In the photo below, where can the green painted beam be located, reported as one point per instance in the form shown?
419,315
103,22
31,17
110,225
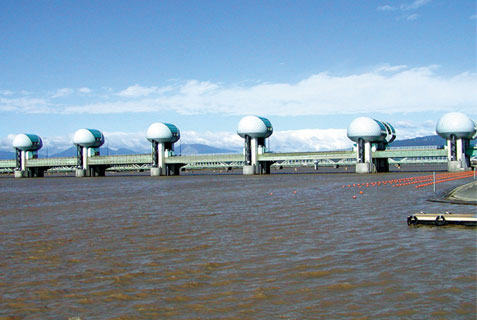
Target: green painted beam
324,158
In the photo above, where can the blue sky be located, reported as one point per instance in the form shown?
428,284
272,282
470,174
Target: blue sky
309,66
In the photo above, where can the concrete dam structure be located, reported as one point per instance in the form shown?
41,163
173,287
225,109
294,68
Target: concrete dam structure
371,152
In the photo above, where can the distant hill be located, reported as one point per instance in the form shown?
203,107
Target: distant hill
434,140
7,155
185,149
196,148
71,152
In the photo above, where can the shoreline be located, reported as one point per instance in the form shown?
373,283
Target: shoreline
464,194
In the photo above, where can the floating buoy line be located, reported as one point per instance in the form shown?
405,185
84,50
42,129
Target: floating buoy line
437,219
418,182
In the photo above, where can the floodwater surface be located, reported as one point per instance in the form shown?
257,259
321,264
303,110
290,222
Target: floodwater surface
281,246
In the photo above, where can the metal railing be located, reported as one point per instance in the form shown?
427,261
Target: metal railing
424,154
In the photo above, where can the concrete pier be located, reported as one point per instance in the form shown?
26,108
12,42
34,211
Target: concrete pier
364,167
249,170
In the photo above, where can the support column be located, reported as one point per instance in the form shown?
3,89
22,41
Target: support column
80,171
456,158
97,171
37,172
155,160
20,168
85,158
254,151
364,159
265,167
18,164
248,168
18,159
381,165
368,156
158,159
458,146
23,160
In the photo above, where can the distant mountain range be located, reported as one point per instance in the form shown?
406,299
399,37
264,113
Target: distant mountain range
190,149
196,148
7,155
71,152
184,149
420,141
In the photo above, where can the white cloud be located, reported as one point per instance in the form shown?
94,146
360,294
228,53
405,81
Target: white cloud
384,89
84,90
409,129
310,140
66,92
63,93
130,140
386,8
6,92
406,124
6,143
224,139
415,5
412,17
280,141
26,105
473,17
404,90
389,68
194,87
136,91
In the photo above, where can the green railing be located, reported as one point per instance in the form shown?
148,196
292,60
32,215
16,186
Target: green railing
401,155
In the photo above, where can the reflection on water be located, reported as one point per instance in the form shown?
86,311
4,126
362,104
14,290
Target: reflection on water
291,246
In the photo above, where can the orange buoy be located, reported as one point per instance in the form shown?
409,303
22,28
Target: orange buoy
361,192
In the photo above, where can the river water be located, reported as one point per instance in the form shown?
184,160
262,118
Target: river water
281,246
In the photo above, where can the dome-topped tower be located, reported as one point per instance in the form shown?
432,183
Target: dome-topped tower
371,130
27,142
88,138
26,147
87,143
163,132
255,127
458,129
366,131
162,136
254,130
458,124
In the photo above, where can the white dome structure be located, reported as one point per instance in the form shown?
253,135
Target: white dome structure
458,124
255,127
370,130
163,132
88,138
27,142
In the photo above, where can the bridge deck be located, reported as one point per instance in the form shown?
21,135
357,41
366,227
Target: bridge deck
320,158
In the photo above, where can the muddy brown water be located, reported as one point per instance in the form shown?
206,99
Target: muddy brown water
282,246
